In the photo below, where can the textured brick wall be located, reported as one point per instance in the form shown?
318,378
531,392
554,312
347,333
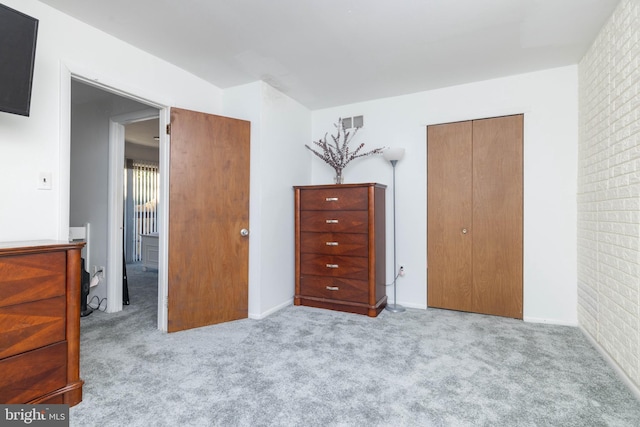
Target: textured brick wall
609,189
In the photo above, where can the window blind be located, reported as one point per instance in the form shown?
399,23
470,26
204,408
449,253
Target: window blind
145,185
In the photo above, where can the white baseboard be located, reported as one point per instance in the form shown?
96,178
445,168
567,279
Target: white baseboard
618,370
549,321
258,316
410,305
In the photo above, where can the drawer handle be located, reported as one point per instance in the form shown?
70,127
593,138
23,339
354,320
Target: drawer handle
331,221
331,199
332,243
332,265
333,288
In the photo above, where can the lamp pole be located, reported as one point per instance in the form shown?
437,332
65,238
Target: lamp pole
394,308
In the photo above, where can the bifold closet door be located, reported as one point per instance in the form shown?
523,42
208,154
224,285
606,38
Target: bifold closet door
497,216
475,203
449,204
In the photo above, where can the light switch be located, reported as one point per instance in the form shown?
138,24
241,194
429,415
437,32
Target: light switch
44,181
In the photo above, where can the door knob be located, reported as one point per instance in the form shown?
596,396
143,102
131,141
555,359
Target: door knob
244,232
464,231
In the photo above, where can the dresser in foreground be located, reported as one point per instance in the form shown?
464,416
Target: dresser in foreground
40,322
340,247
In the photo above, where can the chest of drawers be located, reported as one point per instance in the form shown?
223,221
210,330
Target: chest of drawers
40,322
340,247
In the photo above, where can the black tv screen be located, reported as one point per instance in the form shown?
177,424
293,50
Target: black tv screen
18,33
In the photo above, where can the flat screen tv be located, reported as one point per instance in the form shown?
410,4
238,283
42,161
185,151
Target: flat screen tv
18,33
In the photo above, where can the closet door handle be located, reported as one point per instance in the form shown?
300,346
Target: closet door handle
333,288
331,199
331,221
332,243
332,265
464,231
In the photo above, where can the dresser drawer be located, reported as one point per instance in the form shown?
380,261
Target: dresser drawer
335,244
33,374
335,288
334,266
334,199
25,278
339,222
31,325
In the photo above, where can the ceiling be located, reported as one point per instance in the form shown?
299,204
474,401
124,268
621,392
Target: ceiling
325,53
143,133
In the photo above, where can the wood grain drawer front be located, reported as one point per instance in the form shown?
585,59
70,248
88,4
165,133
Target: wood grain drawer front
334,266
334,199
335,288
338,222
335,244
33,374
28,326
25,278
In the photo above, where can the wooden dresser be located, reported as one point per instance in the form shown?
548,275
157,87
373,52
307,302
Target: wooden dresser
40,322
340,247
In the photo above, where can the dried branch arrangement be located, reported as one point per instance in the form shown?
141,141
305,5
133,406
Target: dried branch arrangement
337,153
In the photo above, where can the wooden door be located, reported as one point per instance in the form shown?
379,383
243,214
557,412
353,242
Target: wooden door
497,216
208,207
475,184
449,197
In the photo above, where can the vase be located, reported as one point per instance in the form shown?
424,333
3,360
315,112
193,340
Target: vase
338,179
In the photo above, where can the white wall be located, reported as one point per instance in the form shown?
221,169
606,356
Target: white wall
38,143
286,126
609,191
279,128
141,152
548,100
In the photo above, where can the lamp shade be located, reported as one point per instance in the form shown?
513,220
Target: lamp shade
391,154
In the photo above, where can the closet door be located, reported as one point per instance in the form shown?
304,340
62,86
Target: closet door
482,214
497,216
449,197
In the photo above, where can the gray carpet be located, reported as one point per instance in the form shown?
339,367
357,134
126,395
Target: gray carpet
310,367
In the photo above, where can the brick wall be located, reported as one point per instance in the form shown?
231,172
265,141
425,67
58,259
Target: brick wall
609,189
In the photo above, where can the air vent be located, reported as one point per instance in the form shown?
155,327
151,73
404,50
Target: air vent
353,122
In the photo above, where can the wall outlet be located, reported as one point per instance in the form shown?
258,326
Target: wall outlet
98,270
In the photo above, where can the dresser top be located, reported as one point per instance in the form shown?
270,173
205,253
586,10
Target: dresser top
366,184
30,246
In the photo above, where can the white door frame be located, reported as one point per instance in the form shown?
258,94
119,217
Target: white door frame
114,233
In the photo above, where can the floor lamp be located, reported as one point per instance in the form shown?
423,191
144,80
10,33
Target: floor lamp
393,155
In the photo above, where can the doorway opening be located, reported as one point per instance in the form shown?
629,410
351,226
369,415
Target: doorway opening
107,130
141,187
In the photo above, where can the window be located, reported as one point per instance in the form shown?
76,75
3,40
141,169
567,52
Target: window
144,187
